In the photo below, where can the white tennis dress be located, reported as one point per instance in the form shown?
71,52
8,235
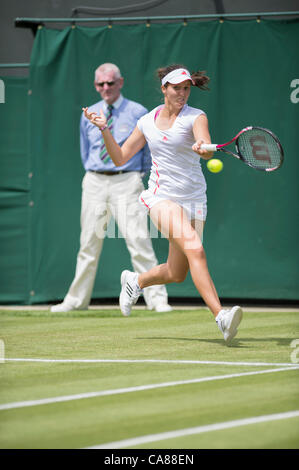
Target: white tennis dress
176,172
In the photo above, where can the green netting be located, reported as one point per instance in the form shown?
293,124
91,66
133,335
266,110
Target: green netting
252,227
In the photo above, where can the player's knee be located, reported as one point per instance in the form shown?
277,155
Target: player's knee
196,252
178,277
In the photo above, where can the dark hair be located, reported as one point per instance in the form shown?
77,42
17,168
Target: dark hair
199,78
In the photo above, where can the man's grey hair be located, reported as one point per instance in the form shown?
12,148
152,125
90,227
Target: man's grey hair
107,68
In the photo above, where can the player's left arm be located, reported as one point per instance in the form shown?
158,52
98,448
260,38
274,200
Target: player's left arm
119,155
202,136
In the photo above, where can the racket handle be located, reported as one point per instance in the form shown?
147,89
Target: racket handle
209,147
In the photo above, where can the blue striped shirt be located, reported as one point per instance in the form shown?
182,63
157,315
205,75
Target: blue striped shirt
125,116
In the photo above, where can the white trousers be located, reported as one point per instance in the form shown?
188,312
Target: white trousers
117,196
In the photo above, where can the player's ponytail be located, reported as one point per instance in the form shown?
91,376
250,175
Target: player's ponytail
200,79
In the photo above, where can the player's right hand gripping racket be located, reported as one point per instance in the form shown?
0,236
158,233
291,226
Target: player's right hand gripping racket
255,146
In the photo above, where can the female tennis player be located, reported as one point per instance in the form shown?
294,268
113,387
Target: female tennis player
176,194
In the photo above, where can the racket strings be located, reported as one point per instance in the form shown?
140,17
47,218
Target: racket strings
260,149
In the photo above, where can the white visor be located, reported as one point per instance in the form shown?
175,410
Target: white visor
176,76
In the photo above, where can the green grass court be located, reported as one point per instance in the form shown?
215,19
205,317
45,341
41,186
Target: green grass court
100,379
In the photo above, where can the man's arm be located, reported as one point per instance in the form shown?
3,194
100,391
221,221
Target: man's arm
84,143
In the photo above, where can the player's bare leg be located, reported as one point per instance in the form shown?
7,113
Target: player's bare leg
185,252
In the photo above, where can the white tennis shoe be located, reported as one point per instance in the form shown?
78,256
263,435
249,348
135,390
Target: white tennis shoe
63,307
228,322
130,292
161,308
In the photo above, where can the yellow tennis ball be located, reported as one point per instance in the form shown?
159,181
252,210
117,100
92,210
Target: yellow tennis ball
215,165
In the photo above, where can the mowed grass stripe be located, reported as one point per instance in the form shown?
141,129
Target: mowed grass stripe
152,361
264,338
80,396
195,430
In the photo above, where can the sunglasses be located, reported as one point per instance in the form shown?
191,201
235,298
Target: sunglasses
101,84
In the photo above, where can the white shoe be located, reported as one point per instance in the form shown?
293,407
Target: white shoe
160,308
130,291
61,308
228,321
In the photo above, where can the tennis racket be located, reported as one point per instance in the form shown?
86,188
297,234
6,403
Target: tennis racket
259,148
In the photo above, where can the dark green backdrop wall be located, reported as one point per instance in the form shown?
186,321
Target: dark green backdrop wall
252,228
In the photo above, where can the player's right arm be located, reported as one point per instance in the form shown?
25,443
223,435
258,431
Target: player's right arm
202,136
119,155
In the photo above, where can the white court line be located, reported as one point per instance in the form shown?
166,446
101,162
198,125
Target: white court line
153,361
140,388
196,430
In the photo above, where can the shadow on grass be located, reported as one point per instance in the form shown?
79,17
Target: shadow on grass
235,343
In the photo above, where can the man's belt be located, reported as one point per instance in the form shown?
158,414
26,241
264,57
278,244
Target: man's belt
109,173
